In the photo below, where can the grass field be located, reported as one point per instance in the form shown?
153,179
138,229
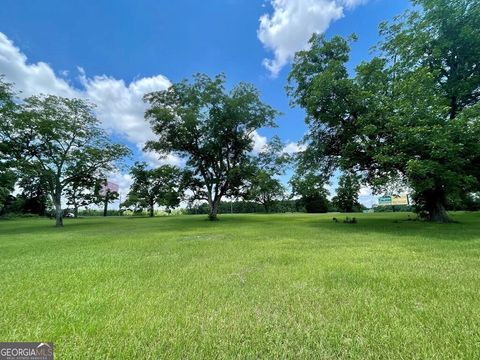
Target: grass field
248,286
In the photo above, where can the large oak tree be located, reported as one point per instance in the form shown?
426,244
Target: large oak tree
410,114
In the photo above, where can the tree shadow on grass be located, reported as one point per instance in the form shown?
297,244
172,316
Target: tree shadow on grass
393,226
466,226
42,226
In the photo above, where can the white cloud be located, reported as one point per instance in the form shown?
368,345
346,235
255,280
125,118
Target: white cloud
365,191
293,148
30,78
120,106
123,181
155,160
366,197
291,24
259,142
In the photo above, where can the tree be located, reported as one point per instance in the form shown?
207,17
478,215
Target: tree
346,199
58,140
137,203
33,198
8,176
272,158
7,184
264,187
310,187
82,192
410,114
212,130
105,193
444,37
160,186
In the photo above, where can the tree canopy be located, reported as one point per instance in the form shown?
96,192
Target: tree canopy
310,187
346,199
159,186
212,129
409,114
8,109
58,141
265,186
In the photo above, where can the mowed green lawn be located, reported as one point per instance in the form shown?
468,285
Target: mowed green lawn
248,286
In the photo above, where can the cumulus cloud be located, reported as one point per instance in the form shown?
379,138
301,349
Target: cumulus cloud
30,78
259,142
288,28
119,106
155,159
365,191
294,148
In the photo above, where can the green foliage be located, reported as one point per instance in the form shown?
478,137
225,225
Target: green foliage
308,184
315,204
7,183
272,159
58,141
248,207
394,208
468,202
212,129
33,198
97,212
310,187
83,191
265,188
103,195
161,186
8,177
444,37
348,189
410,115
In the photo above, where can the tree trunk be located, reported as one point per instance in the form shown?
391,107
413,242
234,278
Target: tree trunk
453,107
75,211
212,216
105,205
437,213
435,206
58,212
151,209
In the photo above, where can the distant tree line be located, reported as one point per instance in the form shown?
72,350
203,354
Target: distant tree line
248,207
278,207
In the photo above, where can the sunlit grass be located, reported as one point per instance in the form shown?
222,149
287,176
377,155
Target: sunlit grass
248,286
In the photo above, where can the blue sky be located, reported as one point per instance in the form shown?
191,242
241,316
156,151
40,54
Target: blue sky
112,51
